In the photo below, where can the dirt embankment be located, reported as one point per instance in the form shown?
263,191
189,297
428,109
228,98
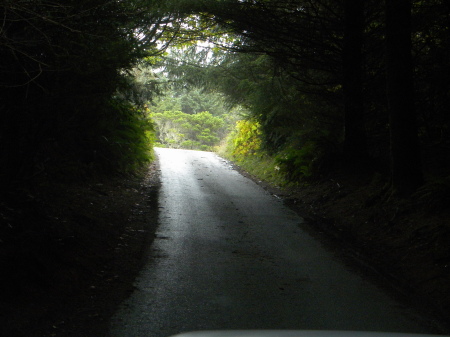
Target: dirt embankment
69,253
403,243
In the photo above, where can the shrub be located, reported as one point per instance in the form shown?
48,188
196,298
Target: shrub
297,163
126,138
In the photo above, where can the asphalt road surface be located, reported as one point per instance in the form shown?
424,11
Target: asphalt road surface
229,255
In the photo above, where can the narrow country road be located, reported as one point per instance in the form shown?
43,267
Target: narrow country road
228,255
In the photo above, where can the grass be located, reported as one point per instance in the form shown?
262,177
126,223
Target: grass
261,165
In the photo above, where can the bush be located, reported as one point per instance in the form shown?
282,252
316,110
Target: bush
246,139
297,163
243,147
126,139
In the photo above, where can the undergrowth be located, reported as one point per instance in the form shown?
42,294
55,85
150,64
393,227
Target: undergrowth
293,163
243,147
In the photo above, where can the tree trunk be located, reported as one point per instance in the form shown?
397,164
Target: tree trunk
405,157
355,142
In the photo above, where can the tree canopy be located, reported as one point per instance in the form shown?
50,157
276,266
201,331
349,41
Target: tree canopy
64,72
75,78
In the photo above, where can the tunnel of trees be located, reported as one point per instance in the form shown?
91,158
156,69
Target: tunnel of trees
355,81
315,85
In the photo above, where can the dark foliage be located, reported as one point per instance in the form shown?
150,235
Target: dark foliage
62,64
64,116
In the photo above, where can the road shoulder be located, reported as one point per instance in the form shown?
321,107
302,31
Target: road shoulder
70,281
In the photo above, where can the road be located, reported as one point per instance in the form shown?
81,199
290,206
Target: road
229,255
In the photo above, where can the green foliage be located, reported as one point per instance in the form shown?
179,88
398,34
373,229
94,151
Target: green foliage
199,131
307,155
126,140
297,163
292,76
269,93
243,147
64,67
190,101
246,139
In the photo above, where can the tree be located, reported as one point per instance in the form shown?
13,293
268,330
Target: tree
405,154
64,75
192,131
355,138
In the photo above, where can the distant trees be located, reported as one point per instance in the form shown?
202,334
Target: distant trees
199,131
189,117
190,101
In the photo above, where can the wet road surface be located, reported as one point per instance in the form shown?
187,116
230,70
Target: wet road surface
228,255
